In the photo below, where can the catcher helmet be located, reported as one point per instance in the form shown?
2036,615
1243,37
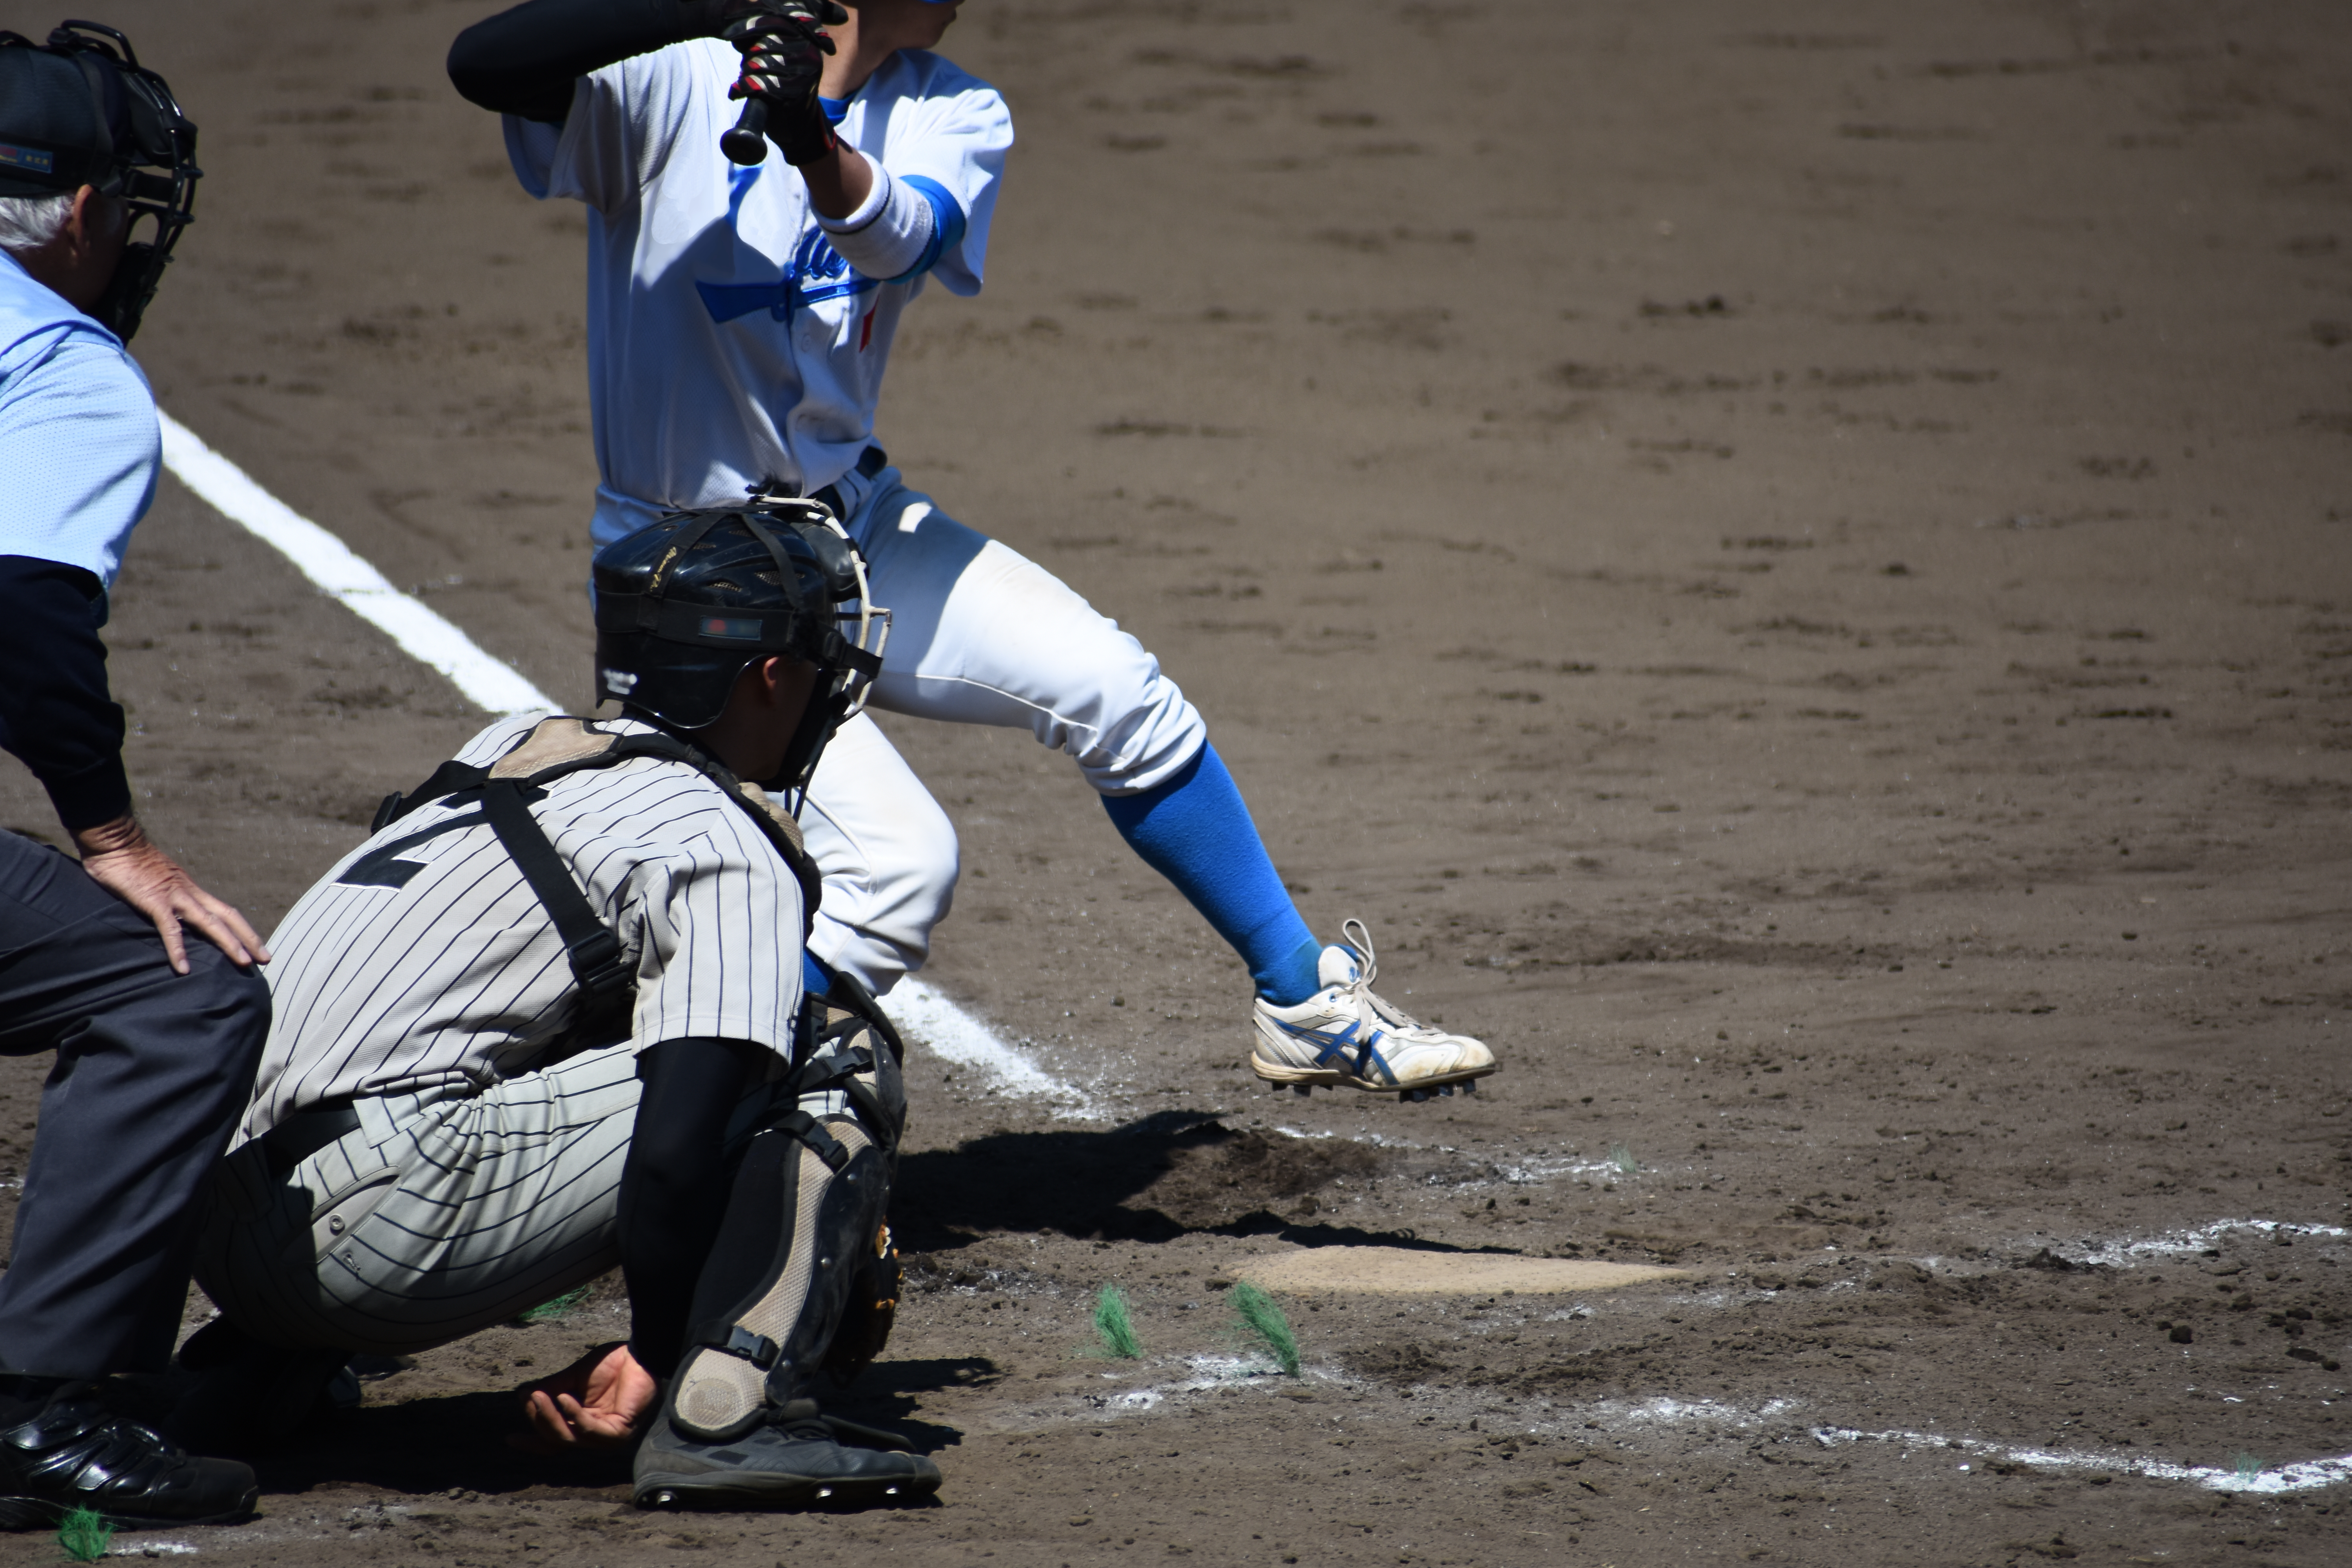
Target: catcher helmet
81,110
686,605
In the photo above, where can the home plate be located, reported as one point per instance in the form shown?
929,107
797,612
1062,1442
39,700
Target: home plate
1406,1271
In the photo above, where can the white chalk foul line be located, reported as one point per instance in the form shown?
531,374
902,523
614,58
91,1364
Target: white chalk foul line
342,573
958,1037
2296,1477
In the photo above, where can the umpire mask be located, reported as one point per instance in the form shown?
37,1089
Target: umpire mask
685,605
81,110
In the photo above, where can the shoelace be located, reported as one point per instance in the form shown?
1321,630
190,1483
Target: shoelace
1358,936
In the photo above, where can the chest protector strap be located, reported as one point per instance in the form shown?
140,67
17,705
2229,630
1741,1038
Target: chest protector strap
555,748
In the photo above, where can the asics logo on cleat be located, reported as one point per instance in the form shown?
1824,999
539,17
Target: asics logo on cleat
1335,1044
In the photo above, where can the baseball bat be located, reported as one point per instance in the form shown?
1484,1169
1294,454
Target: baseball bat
747,142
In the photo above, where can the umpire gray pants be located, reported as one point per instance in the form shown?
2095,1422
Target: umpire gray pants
444,1213
152,1070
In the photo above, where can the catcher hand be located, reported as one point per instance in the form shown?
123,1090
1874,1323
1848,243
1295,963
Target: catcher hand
601,1402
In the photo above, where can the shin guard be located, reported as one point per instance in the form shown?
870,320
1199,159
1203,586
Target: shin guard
801,1275
799,1230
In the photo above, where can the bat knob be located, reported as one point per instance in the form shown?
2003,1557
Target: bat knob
745,147
747,144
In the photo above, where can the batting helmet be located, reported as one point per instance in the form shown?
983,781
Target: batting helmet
81,110
686,605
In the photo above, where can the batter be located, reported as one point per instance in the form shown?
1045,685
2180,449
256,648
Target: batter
740,319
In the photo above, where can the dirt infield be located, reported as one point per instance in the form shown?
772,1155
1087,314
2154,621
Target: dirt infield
1794,563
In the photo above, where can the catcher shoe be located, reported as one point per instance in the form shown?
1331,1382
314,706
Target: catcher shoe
797,1461
1345,1035
71,1453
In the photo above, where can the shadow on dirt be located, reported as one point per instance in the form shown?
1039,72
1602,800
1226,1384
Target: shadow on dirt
1171,1174
887,1395
430,1446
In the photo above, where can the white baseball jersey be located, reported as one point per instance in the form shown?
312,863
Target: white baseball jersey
728,340
423,960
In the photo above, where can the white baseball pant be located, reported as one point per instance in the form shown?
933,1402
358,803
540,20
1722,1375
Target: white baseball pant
979,635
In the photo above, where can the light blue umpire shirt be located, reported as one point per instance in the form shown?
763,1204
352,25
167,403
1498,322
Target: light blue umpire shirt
79,446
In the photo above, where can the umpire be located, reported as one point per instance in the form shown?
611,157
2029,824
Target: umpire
156,1038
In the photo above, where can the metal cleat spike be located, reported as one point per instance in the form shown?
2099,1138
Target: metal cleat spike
1303,1090
1446,1091
1469,1086
1417,1096
663,1499
823,1491
889,1491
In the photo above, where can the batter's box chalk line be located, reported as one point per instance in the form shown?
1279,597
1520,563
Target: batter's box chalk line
2121,1253
1531,1172
1207,1373
1964,1452
1666,1411
2305,1476
432,640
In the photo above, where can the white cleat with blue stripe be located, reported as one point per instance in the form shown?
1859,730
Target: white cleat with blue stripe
1343,1035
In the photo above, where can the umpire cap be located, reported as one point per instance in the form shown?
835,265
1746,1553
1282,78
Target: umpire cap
81,110
686,605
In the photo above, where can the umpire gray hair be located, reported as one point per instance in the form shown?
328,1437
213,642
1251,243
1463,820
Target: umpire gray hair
29,223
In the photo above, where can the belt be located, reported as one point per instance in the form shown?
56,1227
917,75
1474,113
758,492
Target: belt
306,1132
870,462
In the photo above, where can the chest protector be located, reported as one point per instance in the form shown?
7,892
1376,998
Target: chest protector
561,746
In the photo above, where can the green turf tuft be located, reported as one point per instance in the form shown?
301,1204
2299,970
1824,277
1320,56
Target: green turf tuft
84,1535
555,1311
1263,1319
1621,1156
2247,1467
1115,1326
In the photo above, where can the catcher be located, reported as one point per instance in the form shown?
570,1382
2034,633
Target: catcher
539,1024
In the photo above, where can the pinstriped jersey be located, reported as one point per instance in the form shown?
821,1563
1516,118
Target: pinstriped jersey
424,960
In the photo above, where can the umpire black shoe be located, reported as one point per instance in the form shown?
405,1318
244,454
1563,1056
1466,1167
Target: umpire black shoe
73,1453
799,1462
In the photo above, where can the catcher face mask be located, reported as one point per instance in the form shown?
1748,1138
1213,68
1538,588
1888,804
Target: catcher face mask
684,604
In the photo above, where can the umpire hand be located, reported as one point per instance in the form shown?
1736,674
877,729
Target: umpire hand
120,858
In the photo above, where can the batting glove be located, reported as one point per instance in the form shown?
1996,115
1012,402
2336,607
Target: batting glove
784,44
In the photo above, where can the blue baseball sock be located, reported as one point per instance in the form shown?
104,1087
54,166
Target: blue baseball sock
1194,830
813,979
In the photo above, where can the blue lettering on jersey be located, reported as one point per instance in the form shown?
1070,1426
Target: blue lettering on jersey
815,272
